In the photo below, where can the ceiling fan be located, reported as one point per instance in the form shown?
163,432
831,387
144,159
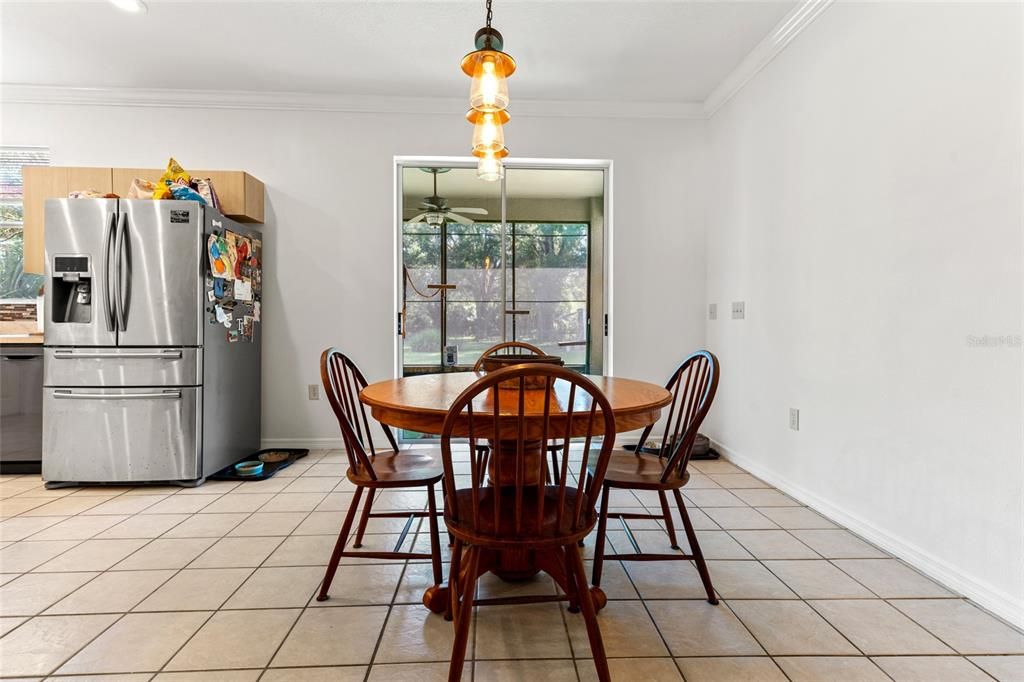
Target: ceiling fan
434,209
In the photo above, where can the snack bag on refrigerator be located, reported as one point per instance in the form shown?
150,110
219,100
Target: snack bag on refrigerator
175,174
144,189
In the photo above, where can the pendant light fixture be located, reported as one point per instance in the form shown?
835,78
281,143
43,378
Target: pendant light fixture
489,68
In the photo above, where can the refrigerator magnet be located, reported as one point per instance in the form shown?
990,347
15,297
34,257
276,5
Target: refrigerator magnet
243,290
217,250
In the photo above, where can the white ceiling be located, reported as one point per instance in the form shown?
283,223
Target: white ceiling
624,51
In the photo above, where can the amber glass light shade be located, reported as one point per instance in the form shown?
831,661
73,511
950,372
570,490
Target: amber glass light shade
488,130
490,70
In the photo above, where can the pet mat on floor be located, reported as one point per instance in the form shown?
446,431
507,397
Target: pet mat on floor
269,468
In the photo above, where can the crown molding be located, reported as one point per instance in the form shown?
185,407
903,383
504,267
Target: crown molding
764,52
14,93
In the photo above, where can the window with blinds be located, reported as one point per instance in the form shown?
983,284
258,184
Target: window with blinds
15,284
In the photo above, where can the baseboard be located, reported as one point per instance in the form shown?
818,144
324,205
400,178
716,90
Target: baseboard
990,598
311,443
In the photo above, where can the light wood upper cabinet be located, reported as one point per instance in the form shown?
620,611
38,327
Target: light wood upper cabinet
241,196
39,184
99,179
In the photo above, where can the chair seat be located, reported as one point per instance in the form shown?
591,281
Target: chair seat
630,470
531,534
403,468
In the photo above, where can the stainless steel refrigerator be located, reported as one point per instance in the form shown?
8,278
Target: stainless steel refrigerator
151,364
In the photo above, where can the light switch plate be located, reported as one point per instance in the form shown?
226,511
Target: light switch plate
712,311
738,310
314,391
794,419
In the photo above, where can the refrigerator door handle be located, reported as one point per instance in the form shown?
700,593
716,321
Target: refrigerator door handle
108,294
119,241
126,294
175,395
69,354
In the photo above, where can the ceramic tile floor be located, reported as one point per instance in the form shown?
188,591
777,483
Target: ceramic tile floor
216,583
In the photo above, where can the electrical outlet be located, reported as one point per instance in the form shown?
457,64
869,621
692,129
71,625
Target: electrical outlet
794,419
314,391
739,310
712,311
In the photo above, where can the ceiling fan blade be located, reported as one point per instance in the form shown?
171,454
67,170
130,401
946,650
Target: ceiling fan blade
461,219
418,219
470,211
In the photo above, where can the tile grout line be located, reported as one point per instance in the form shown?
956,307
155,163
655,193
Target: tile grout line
391,604
406,565
722,601
761,562
241,583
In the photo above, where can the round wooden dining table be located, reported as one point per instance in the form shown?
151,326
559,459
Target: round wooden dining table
420,403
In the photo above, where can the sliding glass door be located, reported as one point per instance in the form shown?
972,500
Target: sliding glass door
548,276
484,263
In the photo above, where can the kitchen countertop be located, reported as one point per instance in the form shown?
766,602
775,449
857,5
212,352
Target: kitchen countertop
24,339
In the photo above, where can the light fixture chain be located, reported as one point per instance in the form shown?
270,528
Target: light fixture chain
490,14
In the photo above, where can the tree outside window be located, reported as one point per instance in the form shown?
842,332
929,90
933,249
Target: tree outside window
15,283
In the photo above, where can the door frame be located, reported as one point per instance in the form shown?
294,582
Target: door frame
606,165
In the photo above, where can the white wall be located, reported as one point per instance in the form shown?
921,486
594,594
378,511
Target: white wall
865,201
329,237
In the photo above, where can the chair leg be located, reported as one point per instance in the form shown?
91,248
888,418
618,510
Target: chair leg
555,470
464,616
444,503
364,519
453,581
589,615
602,529
485,454
572,588
698,556
339,546
669,526
435,539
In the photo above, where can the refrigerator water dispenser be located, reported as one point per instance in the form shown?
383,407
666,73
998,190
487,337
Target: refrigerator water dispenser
72,289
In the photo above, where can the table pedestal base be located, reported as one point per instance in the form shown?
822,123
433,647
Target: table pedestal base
503,454
515,566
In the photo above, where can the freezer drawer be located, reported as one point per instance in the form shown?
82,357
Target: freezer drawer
121,435
119,367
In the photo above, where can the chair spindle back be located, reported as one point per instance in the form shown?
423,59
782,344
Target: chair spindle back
508,347
342,382
693,386
569,403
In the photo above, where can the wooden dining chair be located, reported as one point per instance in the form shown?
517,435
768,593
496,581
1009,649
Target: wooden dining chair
527,514
553,449
371,470
693,386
